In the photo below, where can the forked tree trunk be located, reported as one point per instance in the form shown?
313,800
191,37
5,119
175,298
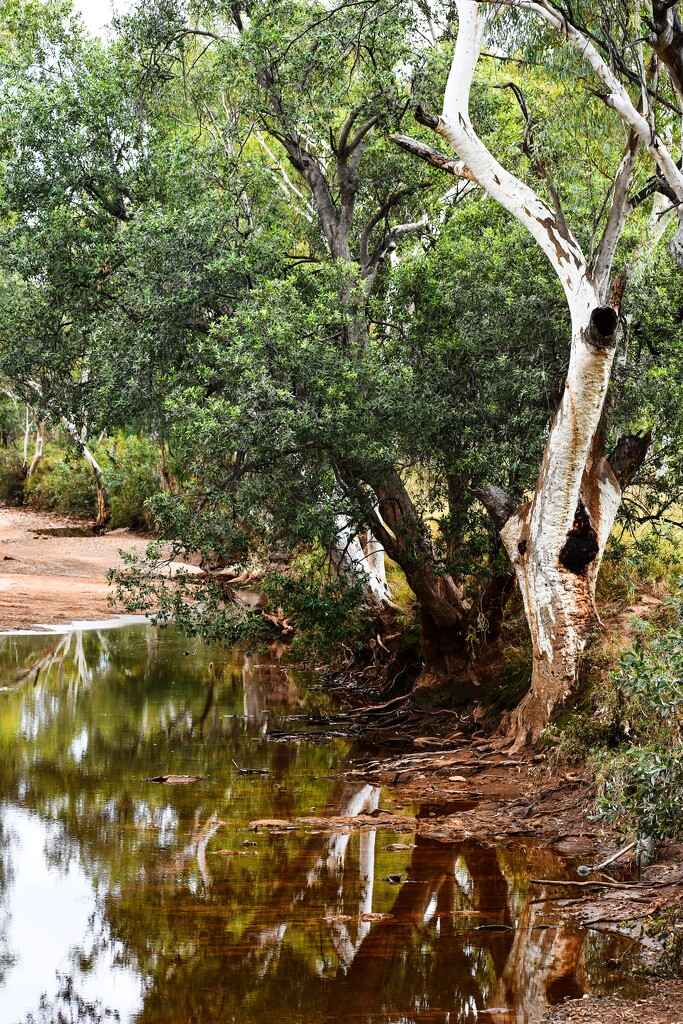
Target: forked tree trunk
555,542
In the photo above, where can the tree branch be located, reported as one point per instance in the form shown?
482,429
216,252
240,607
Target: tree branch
628,456
616,97
601,267
432,156
546,227
666,39
499,505
528,147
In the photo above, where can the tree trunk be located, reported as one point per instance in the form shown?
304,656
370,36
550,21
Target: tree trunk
38,453
96,469
556,541
350,558
27,434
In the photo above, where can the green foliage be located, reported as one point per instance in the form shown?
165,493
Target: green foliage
184,255
61,485
640,717
641,789
146,585
132,478
11,477
328,612
643,556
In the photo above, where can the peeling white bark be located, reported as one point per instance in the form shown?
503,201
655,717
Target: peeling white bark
367,565
555,542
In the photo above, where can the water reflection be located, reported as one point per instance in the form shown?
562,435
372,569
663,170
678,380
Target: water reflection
158,904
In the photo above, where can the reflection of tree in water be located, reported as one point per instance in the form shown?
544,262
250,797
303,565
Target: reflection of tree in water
7,956
278,955
247,936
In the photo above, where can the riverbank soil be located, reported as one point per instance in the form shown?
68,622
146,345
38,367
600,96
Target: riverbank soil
661,1005
51,575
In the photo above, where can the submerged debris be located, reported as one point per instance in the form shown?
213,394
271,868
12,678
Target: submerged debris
176,780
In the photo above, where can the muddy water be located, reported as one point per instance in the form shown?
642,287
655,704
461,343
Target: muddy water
126,900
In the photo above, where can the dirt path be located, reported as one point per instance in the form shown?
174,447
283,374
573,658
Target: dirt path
48,579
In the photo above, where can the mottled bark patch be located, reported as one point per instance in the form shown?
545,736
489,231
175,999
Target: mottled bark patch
581,546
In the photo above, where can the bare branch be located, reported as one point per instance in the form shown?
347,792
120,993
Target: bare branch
432,156
628,456
616,97
499,505
528,147
616,218
366,261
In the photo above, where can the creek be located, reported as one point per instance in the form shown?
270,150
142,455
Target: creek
130,901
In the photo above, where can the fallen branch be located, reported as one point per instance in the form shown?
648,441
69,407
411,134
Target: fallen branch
250,771
600,885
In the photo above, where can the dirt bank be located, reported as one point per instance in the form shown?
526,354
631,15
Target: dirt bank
50,578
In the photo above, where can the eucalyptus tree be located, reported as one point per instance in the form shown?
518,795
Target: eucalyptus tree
317,89
555,540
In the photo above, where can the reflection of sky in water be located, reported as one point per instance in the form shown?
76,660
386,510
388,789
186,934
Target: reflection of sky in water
79,745
53,926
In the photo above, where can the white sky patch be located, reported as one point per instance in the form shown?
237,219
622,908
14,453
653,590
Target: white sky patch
50,914
97,14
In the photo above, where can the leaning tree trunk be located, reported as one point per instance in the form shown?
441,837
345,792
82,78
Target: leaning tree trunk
38,453
102,497
96,470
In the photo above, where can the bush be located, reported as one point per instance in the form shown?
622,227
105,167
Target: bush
641,790
58,485
328,612
11,478
642,785
132,478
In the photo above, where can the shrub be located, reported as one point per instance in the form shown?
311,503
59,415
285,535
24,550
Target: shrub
641,790
642,786
59,485
328,612
132,477
11,477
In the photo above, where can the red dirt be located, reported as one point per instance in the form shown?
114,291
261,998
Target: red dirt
53,580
